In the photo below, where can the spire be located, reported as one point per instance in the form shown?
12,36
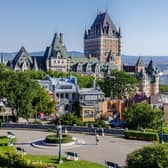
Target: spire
139,62
119,31
55,41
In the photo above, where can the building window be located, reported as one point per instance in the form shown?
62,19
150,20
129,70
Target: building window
66,95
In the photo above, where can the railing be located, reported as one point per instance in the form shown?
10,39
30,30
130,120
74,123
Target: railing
90,130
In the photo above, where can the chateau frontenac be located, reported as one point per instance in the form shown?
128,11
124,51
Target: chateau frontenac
102,52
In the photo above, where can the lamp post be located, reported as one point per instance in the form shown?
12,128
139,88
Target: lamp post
59,135
161,134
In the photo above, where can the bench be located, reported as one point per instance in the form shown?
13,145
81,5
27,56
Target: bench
11,135
20,151
109,164
72,156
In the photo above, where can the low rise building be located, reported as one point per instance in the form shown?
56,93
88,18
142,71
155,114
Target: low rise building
90,100
66,92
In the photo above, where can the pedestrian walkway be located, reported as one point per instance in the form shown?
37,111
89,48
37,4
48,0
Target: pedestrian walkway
110,148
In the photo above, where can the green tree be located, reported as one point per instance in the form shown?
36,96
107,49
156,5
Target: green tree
84,81
153,156
142,115
118,85
163,88
70,119
42,102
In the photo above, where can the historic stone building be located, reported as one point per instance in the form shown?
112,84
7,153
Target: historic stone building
103,41
148,76
22,61
56,55
101,47
54,58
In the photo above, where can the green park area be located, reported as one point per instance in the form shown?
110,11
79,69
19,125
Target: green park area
10,158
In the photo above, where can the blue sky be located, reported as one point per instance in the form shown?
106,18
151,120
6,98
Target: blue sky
32,23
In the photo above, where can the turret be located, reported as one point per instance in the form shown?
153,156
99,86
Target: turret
139,66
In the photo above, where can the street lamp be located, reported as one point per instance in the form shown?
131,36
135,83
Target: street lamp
161,134
59,135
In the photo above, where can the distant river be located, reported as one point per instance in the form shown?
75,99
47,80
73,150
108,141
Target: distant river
164,79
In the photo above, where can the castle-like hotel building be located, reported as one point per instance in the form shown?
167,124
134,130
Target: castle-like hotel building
102,54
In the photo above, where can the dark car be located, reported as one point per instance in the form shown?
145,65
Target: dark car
117,123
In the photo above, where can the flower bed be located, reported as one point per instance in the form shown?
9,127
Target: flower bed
66,138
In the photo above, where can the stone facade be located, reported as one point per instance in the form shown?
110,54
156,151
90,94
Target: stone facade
148,76
56,55
101,47
103,41
22,61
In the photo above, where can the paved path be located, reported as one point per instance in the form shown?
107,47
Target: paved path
110,148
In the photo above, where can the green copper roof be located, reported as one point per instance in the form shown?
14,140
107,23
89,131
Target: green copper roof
56,46
84,60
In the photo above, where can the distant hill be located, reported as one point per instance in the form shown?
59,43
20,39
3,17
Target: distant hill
131,60
75,53
9,56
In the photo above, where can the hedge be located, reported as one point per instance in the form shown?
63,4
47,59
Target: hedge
13,160
53,139
138,135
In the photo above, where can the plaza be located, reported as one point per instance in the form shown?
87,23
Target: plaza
112,148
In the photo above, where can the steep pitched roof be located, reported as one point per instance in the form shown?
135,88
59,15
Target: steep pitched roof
40,62
56,45
22,52
152,68
103,20
139,62
55,41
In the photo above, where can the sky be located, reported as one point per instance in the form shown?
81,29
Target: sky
32,23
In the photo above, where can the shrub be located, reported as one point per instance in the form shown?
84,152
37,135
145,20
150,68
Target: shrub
70,119
14,160
151,130
138,135
152,156
54,139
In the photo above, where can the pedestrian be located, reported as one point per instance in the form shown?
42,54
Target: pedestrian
97,139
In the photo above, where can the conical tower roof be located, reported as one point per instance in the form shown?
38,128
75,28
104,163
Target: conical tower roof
139,62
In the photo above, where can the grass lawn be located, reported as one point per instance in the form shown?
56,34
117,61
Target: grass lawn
66,164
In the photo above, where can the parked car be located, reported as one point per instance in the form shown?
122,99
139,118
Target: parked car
117,123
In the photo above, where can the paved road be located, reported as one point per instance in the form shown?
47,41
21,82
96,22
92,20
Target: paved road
110,148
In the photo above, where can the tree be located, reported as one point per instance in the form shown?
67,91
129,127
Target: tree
163,88
24,95
42,102
142,115
153,156
118,85
84,81
70,119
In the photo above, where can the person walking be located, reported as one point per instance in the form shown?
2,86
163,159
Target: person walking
97,139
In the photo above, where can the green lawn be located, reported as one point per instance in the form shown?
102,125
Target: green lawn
51,160
66,164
